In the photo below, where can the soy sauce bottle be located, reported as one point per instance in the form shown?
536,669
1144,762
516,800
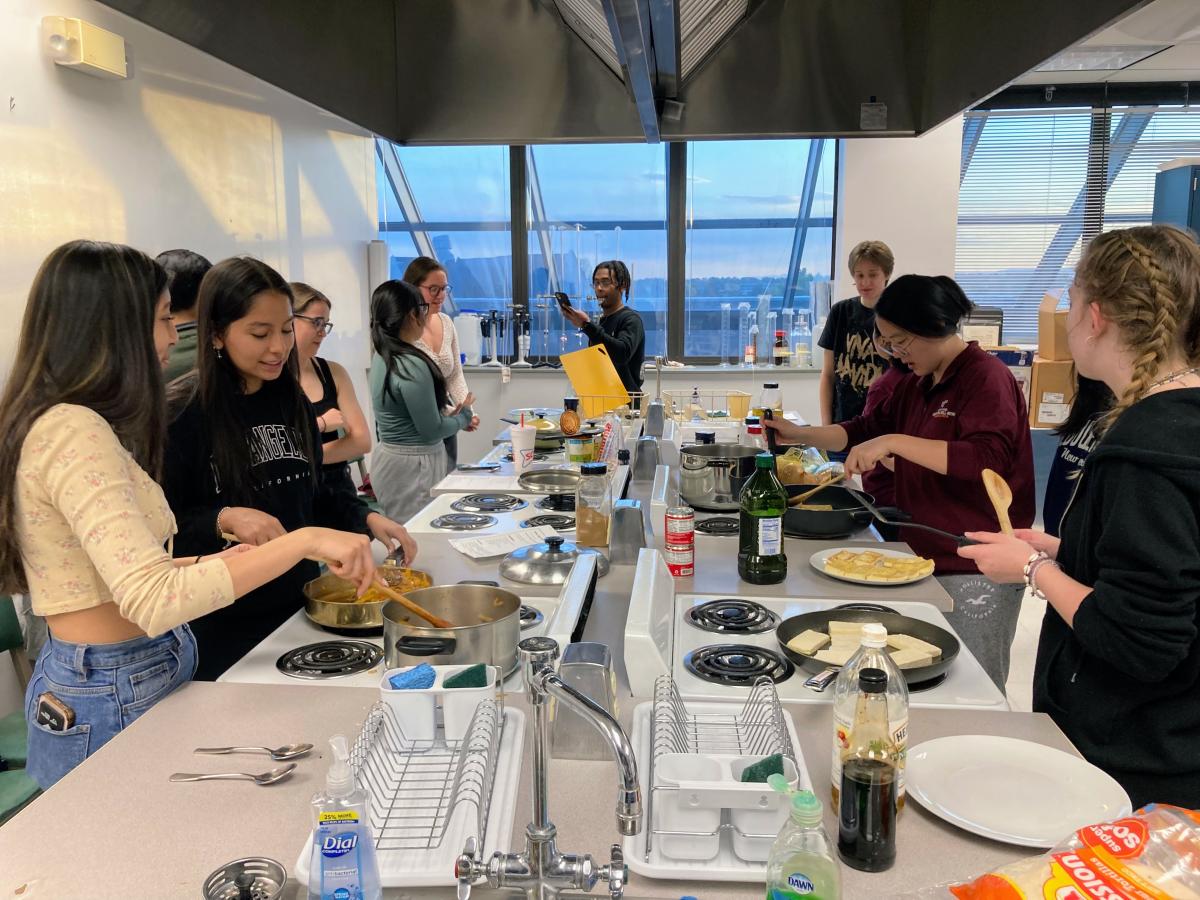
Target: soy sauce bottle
867,798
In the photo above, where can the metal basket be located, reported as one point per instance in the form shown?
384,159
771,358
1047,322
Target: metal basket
716,406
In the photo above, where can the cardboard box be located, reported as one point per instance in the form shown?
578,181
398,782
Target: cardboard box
1020,363
1052,329
1053,389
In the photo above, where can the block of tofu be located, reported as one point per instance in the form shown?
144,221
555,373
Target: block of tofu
851,631
808,642
835,656
908,642
910,659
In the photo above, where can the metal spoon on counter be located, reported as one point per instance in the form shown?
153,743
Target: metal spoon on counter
279,754
265,778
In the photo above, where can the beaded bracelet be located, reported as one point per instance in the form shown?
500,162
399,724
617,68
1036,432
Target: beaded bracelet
220,530
1035,562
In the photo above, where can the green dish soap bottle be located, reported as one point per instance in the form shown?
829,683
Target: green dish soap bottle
802,865
761,559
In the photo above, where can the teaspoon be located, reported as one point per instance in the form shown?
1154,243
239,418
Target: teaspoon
279,754
265,778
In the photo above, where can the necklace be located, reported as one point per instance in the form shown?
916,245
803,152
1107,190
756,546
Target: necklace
1174,376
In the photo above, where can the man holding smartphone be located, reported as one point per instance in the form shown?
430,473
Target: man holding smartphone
620,328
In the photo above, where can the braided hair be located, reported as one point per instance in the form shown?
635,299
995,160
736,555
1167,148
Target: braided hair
1147,282
619,273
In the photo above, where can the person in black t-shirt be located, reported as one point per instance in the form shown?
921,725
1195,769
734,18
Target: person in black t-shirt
851,360
1078,436
620,328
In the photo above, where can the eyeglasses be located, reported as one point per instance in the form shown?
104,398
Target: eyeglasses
602,282
891,348
437,290
320,323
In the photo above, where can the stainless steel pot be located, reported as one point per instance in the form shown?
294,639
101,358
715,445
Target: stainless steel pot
487,627
711,475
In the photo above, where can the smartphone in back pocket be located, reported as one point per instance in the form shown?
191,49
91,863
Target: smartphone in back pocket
53,714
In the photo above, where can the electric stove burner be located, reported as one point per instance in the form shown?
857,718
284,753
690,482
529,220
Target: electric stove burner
328,659
721,526
732,617
557,521
488,503
557,502
739,665
537,457
463,521
927,684
530,617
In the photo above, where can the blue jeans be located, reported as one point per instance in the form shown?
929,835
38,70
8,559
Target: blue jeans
108,686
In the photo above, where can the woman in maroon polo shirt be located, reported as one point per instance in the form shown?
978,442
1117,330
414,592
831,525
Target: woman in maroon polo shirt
958,411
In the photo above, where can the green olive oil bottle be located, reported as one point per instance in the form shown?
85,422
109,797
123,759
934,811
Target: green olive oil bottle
761,559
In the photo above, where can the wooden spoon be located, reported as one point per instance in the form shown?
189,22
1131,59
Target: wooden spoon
1000,494
800,498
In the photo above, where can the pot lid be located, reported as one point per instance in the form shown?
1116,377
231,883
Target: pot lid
550,481
549,562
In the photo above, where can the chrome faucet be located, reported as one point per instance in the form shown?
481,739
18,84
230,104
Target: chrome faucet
541,870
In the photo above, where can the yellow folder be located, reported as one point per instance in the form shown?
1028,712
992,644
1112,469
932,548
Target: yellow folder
595,380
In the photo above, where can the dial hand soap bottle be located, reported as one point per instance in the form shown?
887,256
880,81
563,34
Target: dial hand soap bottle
342,865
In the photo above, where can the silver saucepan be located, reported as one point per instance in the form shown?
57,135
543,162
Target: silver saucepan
487,626
711,475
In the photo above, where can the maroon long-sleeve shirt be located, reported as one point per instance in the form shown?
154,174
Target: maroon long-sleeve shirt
978,409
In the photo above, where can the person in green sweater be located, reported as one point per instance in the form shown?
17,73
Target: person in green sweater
408,395
185,269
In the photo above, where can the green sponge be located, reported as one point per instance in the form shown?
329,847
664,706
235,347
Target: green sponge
761,770
473,677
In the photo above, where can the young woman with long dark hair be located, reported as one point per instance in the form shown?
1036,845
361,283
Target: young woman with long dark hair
244,454
958,411
413,410
83,522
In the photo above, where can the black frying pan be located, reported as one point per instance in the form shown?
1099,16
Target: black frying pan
852,509
867,612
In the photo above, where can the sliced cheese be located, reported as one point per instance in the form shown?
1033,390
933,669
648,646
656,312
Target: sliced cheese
908,642
910,659
808,642
835,656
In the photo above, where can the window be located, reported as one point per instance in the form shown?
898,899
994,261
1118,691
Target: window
589,203
451,203
759,232
1037,185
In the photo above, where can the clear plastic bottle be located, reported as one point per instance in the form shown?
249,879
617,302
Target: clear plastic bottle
754,437
744,437
867,808
771,397
872,653
802,865
342,865
593,505
697,406
801,342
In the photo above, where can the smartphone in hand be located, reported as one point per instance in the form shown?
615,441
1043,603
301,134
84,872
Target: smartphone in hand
564,302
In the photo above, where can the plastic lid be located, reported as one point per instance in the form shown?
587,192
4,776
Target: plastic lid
873,635
764,461
339,781
872,681
594,468
706,437
751,420
780,333
754,429
806,806
622,457
770,385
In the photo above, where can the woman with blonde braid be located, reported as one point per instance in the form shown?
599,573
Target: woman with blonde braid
1118,663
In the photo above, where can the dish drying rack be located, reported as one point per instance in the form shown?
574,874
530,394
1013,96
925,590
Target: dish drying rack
626,405
716,406
426,797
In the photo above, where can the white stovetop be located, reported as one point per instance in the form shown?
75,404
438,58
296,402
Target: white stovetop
657,639
442,504
504,481
560,615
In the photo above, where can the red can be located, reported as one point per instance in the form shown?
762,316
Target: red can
680,539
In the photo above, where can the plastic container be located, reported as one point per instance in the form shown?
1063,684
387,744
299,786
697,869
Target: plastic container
688,806
469,327
761,814
580,450
771,397
343,862
416,710
593,505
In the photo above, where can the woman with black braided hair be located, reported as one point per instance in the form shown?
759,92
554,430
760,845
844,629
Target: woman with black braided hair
620,328
1118,663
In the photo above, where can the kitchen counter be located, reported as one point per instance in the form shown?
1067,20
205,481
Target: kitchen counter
115,827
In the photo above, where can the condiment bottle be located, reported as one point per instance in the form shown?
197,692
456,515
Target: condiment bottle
761,559
781,348
872,653
802,865
744,437
593,505
771,397
867,801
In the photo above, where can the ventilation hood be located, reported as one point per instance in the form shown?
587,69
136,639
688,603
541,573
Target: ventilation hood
553,71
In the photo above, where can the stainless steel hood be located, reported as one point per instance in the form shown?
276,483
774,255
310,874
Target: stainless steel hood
546,71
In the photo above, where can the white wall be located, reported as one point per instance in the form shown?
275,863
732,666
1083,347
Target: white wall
904,192
189,152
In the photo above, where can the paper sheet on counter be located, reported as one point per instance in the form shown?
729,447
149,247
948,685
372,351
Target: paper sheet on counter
501,544
473,484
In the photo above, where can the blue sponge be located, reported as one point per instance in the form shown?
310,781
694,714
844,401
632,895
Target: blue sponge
417,679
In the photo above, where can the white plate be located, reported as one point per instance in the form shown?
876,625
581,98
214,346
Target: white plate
1009,790
817,561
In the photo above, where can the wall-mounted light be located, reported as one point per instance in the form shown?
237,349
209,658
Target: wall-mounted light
84,47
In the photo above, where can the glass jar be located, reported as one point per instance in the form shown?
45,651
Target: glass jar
593,505
771,398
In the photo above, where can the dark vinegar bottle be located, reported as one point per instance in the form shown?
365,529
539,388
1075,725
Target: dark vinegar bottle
867,798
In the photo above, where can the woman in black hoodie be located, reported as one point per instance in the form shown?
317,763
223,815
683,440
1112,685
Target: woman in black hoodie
1118,663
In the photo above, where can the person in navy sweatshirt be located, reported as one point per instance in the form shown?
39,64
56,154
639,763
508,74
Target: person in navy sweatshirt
957,412
1118,662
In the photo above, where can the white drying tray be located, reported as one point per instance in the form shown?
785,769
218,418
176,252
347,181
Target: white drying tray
435,867
726,865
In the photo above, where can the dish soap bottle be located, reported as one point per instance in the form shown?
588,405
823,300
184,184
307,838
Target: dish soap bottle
343,864
802,865
761,559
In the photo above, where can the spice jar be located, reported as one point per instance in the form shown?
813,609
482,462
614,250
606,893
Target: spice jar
593,505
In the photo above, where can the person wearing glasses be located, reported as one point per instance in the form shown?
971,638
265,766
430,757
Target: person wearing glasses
343,427
620,328
957,412
244,455
413,410
439,340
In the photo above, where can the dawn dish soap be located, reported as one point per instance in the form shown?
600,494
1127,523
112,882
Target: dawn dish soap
802,865
342,865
